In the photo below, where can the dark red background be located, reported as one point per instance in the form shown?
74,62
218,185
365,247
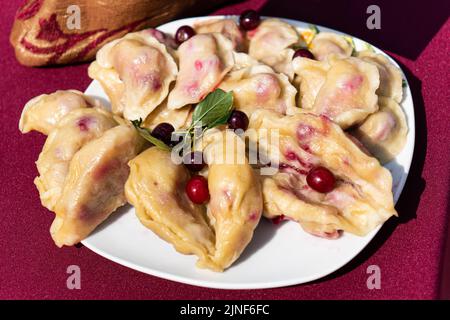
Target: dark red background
409,250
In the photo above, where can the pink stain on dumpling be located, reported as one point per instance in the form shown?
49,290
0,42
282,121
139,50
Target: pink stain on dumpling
254,216
266,87
152,80
192,89
251,33
158,35
198,65
385,128
105,169
353,84
327,235
85,123
305,132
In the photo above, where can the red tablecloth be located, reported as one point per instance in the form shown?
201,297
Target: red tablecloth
409,250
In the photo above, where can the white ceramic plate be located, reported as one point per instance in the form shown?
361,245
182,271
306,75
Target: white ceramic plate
277,256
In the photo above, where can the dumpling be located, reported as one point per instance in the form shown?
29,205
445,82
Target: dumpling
94,186
204,60
217,233
348,94
390,76
311,75
270,43
155,188
257,86
178,118
135,71
384,132
362,197
327,43
227,27
43,112
70,134
235,206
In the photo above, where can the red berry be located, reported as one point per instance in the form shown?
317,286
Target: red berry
304,53
197,189
249,20
184,33
321,179
194,161
163,132
238,120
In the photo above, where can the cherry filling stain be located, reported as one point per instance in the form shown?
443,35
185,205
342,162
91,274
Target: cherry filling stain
353,84
85,123
277,220
198,65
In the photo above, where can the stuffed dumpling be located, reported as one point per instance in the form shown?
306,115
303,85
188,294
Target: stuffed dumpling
71,133
94,185
361,199
227,27
271,44
384,132
235,206
256,86
135,72
326,43
43,112
390,76
155,188
204,60
348,94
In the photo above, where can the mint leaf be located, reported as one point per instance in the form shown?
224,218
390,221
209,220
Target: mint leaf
214,110
145,133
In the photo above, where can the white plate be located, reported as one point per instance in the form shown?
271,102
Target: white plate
277,256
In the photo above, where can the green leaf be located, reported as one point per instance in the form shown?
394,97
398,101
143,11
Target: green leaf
404,83
314,28
214,110
145,133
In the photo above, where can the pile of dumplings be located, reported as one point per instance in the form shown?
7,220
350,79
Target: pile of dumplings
340,111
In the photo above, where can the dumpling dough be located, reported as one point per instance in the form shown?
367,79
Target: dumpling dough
270,43
390,76
327,43
311,75
43,112
70,134
155,188
227,27
362,198
235,206
204,61
178,118
384,132
135,72
257,86
348,94
94,186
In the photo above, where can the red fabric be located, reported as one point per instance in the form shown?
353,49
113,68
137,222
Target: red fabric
408,250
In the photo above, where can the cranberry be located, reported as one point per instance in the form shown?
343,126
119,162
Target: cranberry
321,179
163,132
238,120
184,33
197,189
249,20
304,53
194,161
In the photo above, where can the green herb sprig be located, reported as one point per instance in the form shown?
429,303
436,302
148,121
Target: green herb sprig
214,110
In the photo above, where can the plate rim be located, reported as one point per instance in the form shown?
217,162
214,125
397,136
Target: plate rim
279,283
